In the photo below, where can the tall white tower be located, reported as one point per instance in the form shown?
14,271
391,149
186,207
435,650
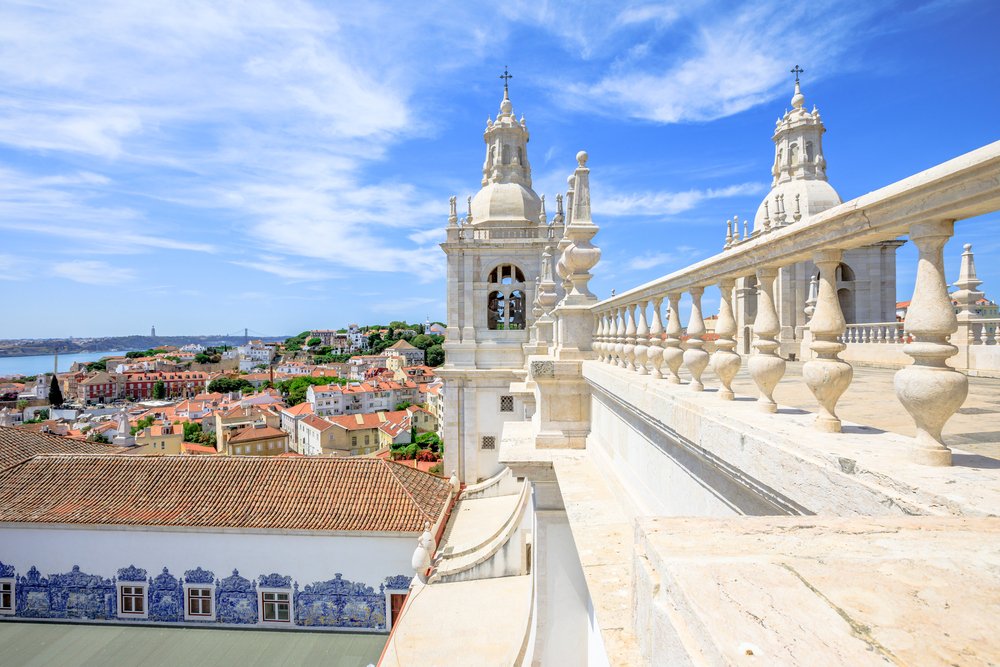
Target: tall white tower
494,259
866,278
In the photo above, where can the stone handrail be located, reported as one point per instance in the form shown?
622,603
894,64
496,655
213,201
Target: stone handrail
494,233
874,332
630,332
985,331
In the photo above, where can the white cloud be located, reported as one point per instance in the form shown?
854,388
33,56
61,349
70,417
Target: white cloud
285,268
93,272
668,203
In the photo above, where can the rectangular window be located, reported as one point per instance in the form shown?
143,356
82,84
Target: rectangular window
488,442
133,600
199,602
367,439
354,441
7,596
260,446
276,607
506,404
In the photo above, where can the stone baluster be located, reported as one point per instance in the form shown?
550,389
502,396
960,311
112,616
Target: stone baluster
629,349
655,352
620,339
642,340
725,361
826,375
673,355
765,366
610,338
929,389
597,345
695,358
606,336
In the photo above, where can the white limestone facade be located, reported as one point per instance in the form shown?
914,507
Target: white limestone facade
494,259
866,276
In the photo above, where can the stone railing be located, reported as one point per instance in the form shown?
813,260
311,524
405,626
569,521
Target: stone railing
507,233
631,331
874,332
985,331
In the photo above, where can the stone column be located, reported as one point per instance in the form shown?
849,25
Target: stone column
725,362
826,375
929,389
765,366
641,340
655,352
628,350
673,355
695,358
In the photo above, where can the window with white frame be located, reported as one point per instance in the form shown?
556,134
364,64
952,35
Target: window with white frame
276,607
198,602
7,596
506,404
132,600
488,442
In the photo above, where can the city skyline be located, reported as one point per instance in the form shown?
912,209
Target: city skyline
288,167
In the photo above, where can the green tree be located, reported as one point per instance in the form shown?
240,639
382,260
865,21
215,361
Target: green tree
314,341
192,431
55,393
435,355
159,390
100,365
403,405
98,437
142,423
21,405
227,384
422,341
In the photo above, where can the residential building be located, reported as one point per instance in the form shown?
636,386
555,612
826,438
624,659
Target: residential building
316,436
160,439
359,433
255,354
402,353
229,422
99,387
257,440
180,384
357,397
290,418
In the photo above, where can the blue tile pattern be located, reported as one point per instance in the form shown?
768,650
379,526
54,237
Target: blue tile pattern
335,603
166,598
236,600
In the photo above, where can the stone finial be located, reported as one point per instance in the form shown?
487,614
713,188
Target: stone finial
423,555
729,234
811,299
967,294
543,219
468,216
453,211
746,230
559,210
454,482
798,209
767,217
580,255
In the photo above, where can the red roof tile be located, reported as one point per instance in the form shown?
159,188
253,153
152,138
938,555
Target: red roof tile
250,492
17,445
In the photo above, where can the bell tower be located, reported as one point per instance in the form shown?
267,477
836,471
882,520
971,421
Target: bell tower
494,264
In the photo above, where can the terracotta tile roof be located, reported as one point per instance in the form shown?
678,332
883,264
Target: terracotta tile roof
17,445
253,434
300,409
317,423
250,492
401,345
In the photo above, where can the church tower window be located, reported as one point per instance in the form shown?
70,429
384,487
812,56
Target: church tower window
505,154
505,308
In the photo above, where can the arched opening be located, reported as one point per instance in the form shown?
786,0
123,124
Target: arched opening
505,154
793,154
507,302
845,274
520,155
809,151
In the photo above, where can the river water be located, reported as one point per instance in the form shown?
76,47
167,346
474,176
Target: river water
44,363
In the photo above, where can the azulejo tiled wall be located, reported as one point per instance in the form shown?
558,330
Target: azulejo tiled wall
336,603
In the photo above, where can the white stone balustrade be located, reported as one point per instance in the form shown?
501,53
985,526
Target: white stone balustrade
695,358
922,206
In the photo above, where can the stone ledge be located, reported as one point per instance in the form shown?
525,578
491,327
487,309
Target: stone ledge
812,591
784,459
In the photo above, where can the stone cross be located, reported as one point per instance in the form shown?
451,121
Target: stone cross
795,70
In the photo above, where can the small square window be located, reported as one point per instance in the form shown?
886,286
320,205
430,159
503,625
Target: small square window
7,596
488,442
506,404
133,600
199,602
276,607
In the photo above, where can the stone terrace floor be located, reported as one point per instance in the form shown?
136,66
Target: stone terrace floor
871,401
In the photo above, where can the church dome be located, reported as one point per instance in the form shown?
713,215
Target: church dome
814,197
505,202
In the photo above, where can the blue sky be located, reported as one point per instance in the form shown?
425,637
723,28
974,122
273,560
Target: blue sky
284,165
